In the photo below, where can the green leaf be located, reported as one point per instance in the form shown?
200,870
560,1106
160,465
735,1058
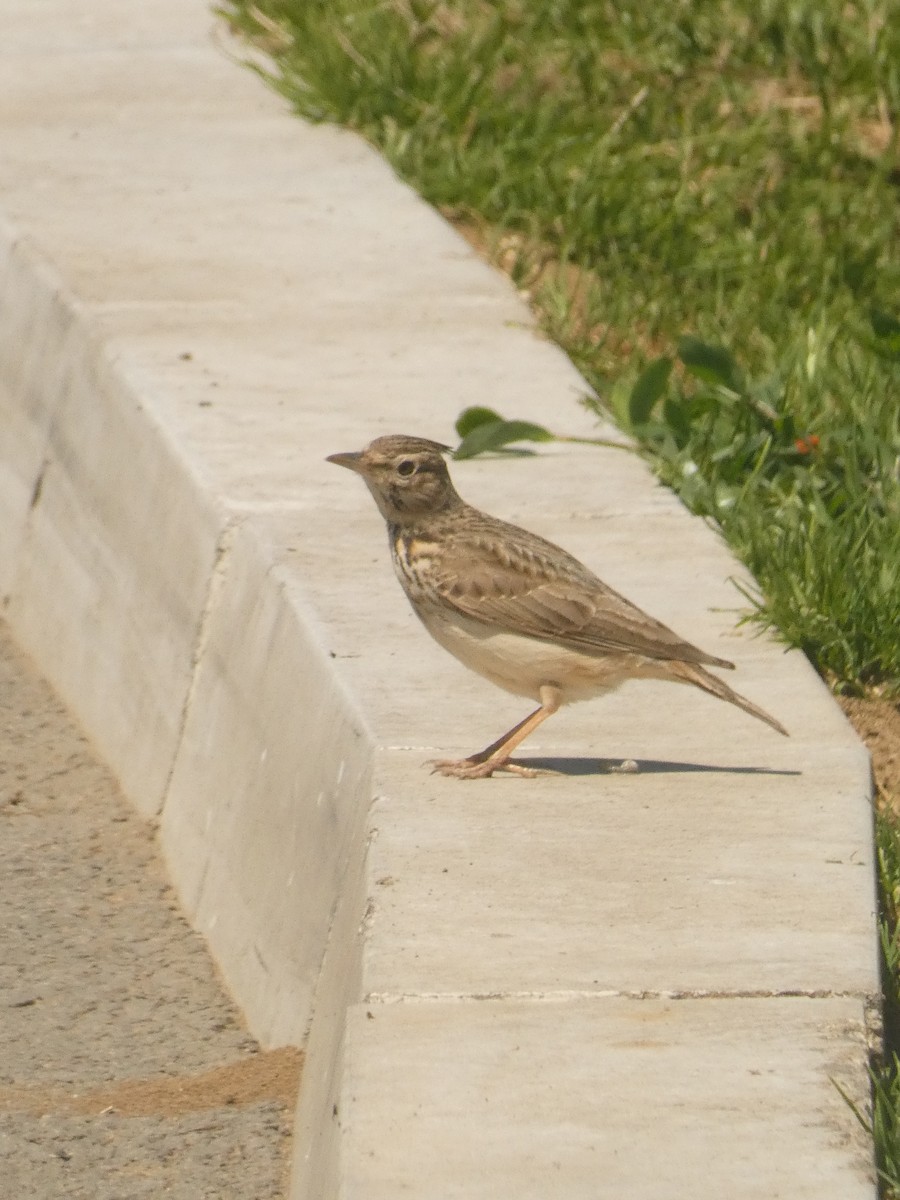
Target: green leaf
493,435
712,364
648,389
884,324
887,330
677,420
471,418
618,400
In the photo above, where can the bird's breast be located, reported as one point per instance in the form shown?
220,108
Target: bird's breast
521,664
414,558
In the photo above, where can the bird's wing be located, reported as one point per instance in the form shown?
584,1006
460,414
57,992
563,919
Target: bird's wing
507,578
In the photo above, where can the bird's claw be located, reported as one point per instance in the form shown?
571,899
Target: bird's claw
470,768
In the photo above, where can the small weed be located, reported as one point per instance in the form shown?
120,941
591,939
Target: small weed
808,494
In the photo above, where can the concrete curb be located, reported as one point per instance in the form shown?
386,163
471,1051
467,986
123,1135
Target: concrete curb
600,986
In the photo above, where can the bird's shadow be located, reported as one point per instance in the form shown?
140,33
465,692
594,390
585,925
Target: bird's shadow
642,766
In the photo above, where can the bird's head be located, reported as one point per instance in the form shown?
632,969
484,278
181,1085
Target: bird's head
407,476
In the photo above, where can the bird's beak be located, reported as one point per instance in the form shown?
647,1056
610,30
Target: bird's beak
352,461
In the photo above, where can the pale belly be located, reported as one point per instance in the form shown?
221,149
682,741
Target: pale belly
522,665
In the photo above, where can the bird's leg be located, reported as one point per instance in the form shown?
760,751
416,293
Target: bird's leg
496,757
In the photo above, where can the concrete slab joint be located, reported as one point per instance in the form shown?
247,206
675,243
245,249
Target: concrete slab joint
587,984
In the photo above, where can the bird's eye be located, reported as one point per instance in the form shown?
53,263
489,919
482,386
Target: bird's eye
406,467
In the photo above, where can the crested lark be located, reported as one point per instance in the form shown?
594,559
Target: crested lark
512,606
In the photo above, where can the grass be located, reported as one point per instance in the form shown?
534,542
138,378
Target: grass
885,1122
700,199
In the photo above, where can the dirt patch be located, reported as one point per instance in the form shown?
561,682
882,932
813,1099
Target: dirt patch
877,722
271,1076
125,1068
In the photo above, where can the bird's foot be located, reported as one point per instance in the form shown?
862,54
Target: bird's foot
473,768
463,768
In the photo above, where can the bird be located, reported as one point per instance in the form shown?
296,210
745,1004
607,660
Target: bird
512,606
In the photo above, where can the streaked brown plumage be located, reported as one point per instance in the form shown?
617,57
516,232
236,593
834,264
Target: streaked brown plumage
514,607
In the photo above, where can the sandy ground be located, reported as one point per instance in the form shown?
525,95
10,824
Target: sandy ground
877,722
125,1069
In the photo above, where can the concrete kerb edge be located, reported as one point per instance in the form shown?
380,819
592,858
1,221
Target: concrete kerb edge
268,796
76,503
33,286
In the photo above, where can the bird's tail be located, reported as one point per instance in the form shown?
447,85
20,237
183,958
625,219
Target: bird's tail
695,674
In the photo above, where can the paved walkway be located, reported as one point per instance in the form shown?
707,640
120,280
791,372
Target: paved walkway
125,1070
